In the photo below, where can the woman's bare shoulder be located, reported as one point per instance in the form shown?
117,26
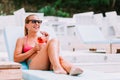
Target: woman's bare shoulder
21,39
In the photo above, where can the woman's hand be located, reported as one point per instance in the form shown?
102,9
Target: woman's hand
45,36
38,46
44,33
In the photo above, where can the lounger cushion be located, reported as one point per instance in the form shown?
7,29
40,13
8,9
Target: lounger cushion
49,75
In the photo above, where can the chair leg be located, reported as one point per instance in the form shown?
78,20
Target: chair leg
115,47
114,51
109,49
93,49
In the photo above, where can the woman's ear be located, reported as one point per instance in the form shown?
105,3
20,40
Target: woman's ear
26,25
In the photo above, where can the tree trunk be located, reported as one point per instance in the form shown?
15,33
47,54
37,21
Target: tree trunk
113,3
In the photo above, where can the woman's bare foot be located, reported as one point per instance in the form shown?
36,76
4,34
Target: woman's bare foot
74,71
60,71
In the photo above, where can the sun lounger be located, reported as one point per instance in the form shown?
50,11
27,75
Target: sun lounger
12,33
92,37
113,20
90,33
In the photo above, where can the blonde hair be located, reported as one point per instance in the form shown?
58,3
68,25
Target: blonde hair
26,22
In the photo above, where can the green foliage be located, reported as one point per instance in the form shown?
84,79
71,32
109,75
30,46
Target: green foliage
105,2
62,14
54,10
99,2
57,3
64,8
51,11
48,10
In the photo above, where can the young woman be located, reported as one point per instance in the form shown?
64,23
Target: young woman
43,55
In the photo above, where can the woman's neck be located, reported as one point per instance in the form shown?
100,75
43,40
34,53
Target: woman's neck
32,35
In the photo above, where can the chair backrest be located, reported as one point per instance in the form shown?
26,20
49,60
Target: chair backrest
18,16
111,13
10,21
12,33
85,18
98,19
91,34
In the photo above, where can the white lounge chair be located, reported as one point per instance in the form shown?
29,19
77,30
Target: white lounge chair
113,20
93,38
85,25
12,33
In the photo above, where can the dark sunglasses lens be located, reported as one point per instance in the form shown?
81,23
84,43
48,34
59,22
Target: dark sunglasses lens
33,21
36,21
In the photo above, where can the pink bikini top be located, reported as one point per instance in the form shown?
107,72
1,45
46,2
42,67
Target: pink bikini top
26,46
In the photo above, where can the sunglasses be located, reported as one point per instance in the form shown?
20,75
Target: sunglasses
35,21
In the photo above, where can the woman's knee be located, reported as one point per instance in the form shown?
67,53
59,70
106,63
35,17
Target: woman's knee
54,41
53,44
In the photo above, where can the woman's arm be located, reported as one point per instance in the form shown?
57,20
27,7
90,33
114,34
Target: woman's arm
18,55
